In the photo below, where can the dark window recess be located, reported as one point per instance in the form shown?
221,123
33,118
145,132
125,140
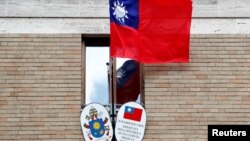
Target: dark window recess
94,41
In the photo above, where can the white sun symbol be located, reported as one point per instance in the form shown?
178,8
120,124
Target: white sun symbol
120,11
129,109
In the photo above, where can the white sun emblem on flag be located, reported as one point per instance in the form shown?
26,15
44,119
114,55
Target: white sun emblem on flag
129,109
120,11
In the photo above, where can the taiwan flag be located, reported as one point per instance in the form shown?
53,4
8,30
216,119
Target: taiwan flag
150,31
128,82
132,113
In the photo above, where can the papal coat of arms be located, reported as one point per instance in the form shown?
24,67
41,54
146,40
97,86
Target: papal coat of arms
96,124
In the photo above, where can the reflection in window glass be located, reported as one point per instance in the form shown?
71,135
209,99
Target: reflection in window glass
96,83
120,61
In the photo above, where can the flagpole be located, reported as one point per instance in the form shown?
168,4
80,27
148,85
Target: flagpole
110,85
112,91
114,86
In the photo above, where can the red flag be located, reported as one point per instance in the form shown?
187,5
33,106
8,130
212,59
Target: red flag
150,31
132,113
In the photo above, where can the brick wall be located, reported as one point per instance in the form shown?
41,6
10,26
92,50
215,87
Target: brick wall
40,87
214,88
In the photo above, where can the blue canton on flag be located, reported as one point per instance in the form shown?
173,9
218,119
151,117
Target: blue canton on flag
125,12
129,110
